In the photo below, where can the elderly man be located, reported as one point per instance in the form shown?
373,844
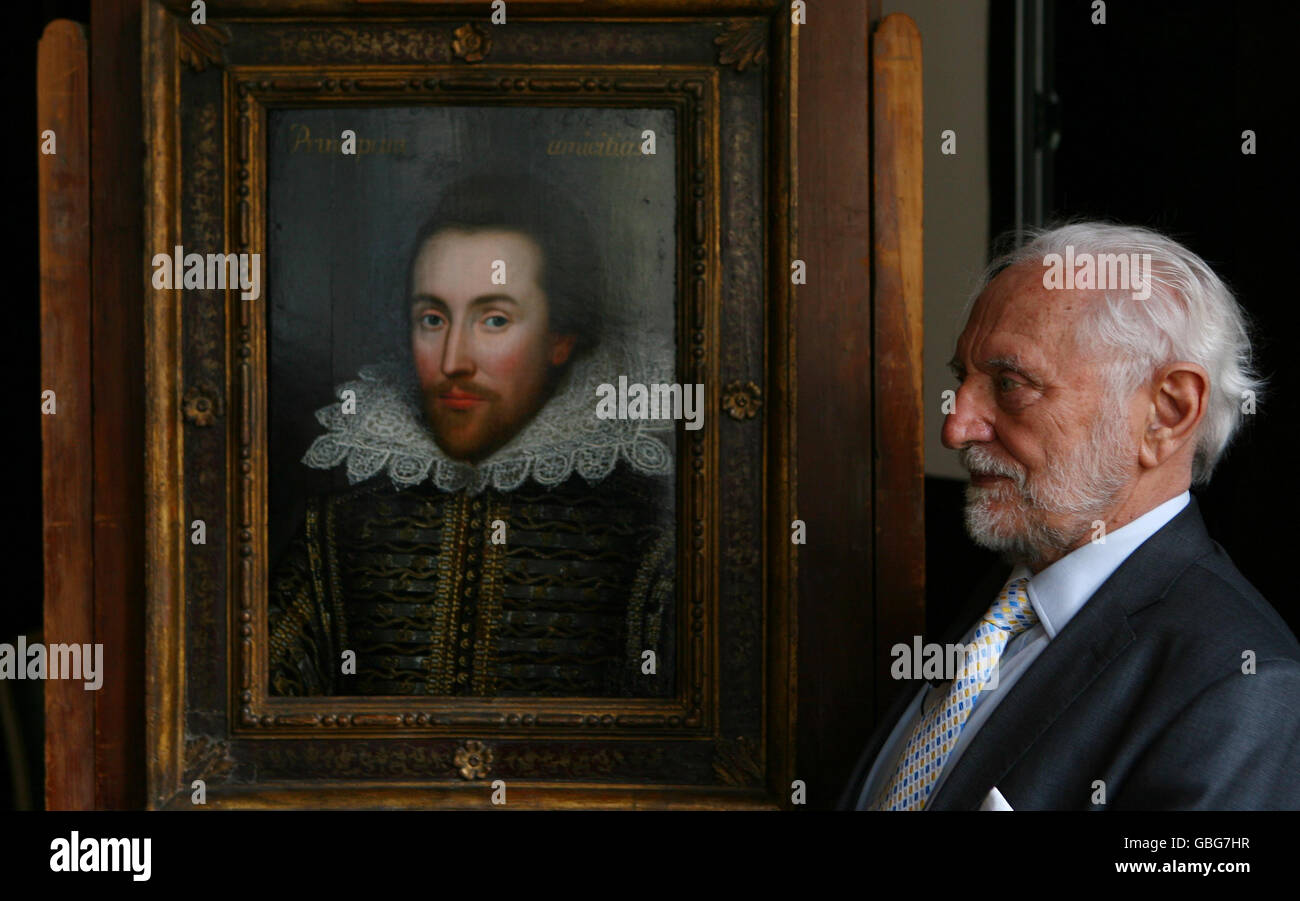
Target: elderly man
1126,663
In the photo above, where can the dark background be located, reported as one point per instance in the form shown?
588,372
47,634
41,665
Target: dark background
1152,110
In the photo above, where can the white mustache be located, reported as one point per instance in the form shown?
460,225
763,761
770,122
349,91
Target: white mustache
978,461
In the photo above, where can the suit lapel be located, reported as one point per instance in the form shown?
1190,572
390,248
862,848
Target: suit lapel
1072,660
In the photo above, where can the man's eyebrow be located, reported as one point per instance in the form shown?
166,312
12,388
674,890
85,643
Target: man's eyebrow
1007,361
1011,362
492,298
479,301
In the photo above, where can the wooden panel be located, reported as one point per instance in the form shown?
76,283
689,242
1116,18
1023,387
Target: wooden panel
833,417
164,530
897,264
64,188
119,401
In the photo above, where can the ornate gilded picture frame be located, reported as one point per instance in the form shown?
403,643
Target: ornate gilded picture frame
243,700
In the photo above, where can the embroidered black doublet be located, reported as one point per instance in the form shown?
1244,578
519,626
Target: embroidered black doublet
576,586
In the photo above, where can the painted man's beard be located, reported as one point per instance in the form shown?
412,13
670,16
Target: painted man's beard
1012,517
472,435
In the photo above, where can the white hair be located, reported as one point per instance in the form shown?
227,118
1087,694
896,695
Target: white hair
1191,316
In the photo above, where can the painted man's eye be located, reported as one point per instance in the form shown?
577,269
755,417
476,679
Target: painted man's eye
431,320
496,320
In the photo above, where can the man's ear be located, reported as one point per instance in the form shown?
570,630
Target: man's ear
1181,394
561,348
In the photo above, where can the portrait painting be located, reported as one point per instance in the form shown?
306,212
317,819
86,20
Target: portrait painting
482,464
450,514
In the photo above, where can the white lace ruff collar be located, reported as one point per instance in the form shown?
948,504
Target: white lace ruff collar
388,431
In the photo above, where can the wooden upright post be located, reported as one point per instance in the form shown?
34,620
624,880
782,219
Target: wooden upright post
68,460
897,265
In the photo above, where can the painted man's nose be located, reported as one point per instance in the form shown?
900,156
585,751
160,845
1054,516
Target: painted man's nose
457,356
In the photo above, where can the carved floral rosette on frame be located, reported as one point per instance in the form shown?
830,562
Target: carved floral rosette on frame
726,736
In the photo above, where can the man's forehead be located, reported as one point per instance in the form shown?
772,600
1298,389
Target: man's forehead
476,260
1016,316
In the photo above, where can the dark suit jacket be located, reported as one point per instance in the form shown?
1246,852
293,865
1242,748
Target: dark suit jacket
1144,690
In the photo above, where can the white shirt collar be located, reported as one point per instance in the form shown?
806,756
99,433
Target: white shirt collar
1060,591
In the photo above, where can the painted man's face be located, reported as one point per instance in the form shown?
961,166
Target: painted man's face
483,350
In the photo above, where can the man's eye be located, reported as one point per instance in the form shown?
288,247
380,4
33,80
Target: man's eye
496,320
431,320
1007,384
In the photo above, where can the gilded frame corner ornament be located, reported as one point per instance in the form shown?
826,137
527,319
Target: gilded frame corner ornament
201,45
743,43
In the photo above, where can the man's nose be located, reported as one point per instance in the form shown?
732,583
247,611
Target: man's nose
970,421
457,353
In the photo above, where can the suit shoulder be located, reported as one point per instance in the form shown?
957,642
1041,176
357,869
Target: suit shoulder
1213,614
1249,609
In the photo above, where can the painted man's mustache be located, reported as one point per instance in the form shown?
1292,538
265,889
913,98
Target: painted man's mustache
462,388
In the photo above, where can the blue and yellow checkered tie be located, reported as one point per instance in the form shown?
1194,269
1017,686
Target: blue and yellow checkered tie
935,735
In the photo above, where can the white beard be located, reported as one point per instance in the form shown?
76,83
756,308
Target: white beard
1011,518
